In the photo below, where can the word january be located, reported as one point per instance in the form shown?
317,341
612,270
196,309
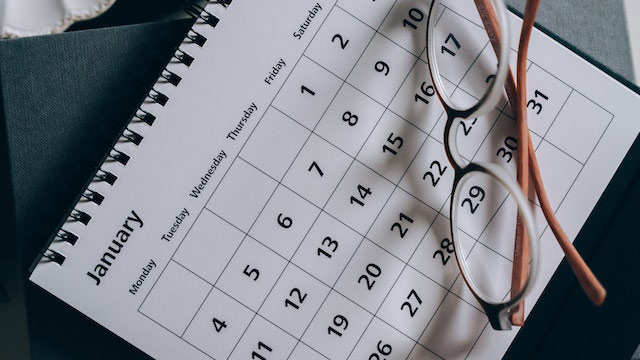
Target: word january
122,236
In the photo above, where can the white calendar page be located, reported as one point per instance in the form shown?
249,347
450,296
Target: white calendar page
293,192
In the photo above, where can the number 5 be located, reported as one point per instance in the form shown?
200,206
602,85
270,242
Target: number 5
251,273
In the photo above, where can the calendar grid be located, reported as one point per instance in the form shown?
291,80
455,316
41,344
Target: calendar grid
364,236
215,189
280,184
361,235
405,263
320,280
236,300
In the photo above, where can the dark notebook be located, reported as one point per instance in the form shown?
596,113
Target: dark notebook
65,97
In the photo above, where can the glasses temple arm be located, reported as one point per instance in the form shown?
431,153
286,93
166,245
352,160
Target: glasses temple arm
590,284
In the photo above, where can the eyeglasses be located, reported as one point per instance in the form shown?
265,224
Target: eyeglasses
499,312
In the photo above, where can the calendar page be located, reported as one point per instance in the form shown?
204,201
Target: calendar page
291,199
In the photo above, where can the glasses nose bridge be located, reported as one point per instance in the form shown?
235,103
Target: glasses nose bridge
454,117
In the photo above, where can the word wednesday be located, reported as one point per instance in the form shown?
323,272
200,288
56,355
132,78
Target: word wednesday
146,270
307,22
204,179
122,236
233,134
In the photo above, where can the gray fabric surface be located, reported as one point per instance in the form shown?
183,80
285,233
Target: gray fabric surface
595,27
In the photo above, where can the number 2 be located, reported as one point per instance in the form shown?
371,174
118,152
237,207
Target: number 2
297,300
434,180
372,270
343,43
412,310
476,192
446,245
397,225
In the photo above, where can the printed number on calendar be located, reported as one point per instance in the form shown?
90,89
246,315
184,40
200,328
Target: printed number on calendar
535,105
450,40
382,349
398,225
262,348
296,298
506,152
372,271
436,172
477,193
411,308
219,325
446,245
327,244
382,67
395,143
252,273
363,192
349,118
284,221
427,91
415,16
304,89
337,38
341,323
466,128
314,165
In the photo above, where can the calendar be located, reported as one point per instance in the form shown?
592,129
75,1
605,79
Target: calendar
291,200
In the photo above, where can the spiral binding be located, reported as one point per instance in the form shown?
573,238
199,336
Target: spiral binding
202,17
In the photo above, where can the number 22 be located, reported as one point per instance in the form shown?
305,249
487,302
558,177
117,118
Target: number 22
441,170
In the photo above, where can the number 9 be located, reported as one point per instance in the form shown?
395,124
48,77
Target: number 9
478,192
381,66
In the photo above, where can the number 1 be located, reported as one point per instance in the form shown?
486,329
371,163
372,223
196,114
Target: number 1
446,41
304,89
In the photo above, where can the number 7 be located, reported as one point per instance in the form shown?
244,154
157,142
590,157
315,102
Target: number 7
446,41
315,165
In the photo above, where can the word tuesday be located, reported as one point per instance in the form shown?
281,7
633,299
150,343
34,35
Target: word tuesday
132,222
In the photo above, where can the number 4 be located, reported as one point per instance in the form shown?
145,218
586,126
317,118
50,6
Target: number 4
219,325
363,194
